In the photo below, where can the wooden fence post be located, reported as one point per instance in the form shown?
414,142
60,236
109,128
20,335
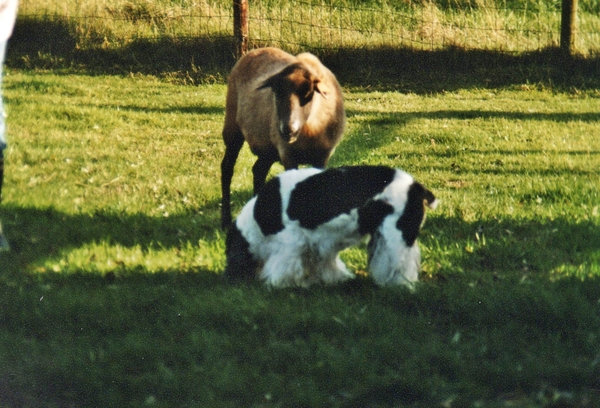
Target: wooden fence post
240,27
568,26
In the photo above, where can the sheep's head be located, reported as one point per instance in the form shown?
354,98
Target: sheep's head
294,88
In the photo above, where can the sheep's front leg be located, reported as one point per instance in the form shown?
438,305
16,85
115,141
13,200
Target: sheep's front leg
261,168
232,151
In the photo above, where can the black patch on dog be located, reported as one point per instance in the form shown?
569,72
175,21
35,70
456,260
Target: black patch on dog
428,196
371,216
240,264
414,211
326,195
267,209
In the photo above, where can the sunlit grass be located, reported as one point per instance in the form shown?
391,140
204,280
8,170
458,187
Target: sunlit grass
107,258
112,288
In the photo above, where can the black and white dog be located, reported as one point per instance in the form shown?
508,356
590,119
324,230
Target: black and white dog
290,234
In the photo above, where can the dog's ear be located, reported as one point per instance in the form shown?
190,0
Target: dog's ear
371,215
429,199
414,212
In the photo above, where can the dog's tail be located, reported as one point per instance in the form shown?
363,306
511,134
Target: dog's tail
241,266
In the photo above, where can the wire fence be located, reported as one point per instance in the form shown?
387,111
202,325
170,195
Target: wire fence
520,26
425,27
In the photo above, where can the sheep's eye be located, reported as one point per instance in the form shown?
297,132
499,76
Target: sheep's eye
305,94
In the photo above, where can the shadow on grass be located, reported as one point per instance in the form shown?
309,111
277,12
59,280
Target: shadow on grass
537,247
357,145
54,44
169,332
173,332
449,69
36,235
180,110
515,248
400,118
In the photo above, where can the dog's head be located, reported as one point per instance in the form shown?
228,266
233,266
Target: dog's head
394,219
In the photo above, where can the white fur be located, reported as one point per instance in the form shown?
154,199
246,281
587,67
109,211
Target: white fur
392,262
297,256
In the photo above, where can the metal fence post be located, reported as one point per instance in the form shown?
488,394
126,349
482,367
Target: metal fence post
568,26
240,27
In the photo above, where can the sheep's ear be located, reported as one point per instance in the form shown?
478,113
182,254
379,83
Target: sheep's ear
274,80
321,88
268,83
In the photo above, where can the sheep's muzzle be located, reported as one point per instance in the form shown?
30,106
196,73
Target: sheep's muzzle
288,133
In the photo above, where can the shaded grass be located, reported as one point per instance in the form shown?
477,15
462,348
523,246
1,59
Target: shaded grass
53,44
194,341
111,294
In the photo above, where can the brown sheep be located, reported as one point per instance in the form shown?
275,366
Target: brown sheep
288,108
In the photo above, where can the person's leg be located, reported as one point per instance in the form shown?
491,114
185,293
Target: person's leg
3,242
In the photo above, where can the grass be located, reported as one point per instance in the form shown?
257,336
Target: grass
508,26
112,295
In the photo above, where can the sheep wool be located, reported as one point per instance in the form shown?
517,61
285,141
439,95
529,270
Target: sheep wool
288,108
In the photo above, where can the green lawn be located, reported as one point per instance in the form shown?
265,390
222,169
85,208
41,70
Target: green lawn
111,294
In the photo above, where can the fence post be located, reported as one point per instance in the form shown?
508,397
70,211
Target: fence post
240,27
568,26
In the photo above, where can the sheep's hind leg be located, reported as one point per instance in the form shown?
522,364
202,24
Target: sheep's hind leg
284,269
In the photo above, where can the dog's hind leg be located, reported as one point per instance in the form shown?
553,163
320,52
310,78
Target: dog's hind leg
333,270
284,269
